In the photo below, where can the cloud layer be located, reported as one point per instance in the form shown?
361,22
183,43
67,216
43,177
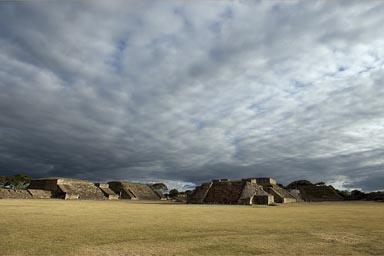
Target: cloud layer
189,91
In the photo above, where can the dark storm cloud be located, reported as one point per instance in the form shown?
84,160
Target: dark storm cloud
186,92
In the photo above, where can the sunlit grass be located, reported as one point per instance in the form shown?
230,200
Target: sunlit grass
57,227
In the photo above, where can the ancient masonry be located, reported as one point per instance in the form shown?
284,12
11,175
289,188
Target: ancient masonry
15,193
135,191
314,193
65,188
244,191
108,193
68,188
222,191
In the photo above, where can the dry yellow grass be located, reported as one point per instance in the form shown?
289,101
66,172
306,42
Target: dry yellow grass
56,227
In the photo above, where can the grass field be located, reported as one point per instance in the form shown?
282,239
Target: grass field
57,227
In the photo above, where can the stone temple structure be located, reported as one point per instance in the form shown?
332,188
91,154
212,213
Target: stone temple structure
280,194
135,191
68,188
65,188
244,191
314,192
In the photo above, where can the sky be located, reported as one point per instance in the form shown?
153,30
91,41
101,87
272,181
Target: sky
183,92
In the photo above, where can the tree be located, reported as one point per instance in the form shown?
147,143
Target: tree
173,192
357,195
298,183
161,187
15,181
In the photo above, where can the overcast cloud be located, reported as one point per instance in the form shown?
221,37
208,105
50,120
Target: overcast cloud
184,92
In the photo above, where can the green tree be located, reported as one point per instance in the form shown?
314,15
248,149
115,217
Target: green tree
174,192
161,187
16,181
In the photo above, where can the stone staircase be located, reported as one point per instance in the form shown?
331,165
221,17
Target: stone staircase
199,194
135,191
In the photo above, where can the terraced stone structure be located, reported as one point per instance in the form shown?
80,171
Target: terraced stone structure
15,193
280,194
135,191
68,188
315,193
245,191
25,193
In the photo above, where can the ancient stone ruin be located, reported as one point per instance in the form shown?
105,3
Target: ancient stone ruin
68,188
244,191
314,192
135,191
222,191
280,194
108,193
81,189
15,193
40,194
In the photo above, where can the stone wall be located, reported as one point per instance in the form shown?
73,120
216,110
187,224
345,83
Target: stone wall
44,184
15,193
25,193
224,192
263,199
265,181
40,194
313,193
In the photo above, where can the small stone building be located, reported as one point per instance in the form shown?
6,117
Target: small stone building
245,191
135,191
